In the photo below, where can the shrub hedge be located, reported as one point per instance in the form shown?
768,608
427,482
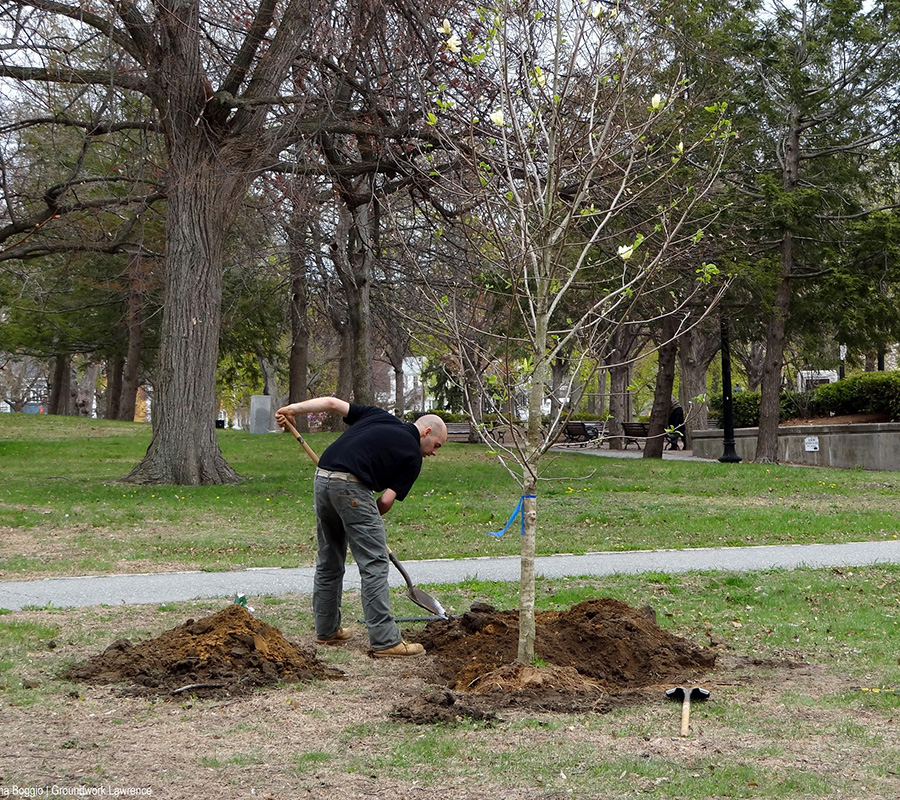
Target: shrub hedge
867,393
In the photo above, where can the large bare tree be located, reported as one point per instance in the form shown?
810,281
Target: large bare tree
230,87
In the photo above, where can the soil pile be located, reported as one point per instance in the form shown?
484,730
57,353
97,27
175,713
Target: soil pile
226,653
598,643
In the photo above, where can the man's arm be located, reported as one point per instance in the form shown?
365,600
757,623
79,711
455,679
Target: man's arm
333,405
386,500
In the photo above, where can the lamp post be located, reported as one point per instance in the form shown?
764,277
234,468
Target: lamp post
729,455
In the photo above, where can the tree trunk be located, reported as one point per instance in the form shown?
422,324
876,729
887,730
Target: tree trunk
115,366
752,358
399,393
527,593
662,395
536,387
770,401
345,374
557,376
620,403
353,259
85,391
770,398
298,364
474,399
131,371
184,449
697,348
60,385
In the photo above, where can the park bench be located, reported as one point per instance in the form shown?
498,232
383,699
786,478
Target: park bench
581,433
459,431
634,432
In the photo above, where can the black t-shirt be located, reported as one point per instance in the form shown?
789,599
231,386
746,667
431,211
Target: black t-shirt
382,451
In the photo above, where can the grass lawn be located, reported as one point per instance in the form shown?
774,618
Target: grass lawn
62,513
805,705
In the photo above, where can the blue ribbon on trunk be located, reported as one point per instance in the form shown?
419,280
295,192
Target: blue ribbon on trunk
516,512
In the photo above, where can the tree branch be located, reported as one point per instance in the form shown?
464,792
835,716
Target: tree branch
77,77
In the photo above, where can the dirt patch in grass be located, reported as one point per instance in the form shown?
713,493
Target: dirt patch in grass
227,653
588,658
521,733
585,655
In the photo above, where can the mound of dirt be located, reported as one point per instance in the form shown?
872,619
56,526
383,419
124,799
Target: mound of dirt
597,645
227,652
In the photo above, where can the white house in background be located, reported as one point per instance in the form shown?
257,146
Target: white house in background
414,393
808,379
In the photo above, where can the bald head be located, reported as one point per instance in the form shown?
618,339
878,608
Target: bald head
432,433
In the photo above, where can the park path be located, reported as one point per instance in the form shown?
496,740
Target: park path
177,586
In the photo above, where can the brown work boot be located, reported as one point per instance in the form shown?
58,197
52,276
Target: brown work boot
401,650
340,637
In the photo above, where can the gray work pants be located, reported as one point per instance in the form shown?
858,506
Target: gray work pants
346,515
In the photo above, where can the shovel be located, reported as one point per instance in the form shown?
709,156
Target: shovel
415,594
685,696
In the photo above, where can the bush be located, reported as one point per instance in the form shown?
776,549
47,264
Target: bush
745,408
868,393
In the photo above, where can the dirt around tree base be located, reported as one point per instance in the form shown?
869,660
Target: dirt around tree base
590,657
595,654
226,653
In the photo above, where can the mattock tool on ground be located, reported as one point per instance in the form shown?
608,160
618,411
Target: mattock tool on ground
685,697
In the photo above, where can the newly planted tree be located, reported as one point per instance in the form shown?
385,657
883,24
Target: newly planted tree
578,180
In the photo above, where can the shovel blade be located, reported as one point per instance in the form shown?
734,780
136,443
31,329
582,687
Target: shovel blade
426,601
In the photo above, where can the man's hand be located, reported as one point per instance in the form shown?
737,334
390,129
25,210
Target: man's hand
285,413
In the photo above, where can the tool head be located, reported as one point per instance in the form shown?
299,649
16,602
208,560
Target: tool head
695,694
426,601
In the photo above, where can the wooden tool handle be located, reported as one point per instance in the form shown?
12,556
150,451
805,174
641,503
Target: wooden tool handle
309,451
685,715
401,569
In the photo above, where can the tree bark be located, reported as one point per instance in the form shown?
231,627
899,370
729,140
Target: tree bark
770,401
618,360
298,363
662,394
60,385
85,391
131,371
353,260
752,358
184,449
527,592
697,348
114,369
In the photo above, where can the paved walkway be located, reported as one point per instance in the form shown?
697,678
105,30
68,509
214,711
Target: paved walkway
171,587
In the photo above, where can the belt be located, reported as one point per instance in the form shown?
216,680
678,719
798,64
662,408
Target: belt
340,476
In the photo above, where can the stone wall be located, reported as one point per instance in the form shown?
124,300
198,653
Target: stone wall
865,446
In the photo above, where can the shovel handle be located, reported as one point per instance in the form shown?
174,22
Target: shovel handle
309,451
401,569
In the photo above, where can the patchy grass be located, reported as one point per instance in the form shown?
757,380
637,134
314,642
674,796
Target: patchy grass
804,705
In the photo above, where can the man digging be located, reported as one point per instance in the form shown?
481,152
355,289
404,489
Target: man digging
378,453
